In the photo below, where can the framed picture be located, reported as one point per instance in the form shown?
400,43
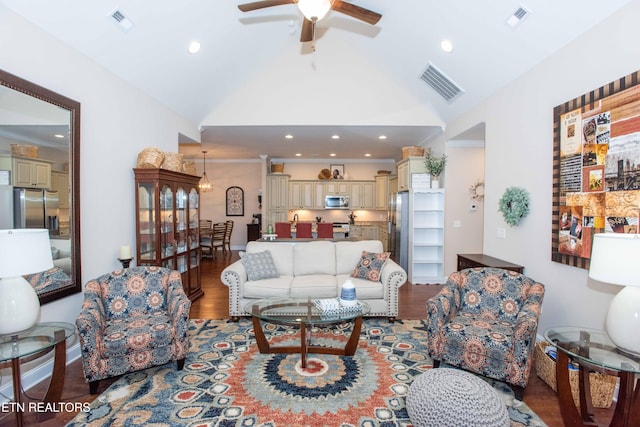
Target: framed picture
235,201
337,171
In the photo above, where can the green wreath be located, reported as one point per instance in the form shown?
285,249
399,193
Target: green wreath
514,205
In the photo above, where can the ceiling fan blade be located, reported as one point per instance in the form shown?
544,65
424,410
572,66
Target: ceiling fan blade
306,35
357,12
248,7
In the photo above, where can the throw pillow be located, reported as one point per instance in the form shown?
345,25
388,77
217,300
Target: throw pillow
259,265
55,253
370,265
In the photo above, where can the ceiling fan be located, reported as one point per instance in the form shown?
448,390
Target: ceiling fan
315,10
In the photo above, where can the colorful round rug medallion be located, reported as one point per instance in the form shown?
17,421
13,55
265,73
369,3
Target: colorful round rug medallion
227,382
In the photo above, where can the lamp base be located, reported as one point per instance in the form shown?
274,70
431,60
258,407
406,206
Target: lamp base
19,305
623,320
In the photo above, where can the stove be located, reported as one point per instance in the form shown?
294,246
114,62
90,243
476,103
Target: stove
341,227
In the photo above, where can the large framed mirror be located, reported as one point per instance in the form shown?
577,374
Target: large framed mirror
40,176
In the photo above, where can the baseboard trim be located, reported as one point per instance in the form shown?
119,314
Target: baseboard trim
36,375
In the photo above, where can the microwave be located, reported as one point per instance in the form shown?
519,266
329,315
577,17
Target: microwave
336,202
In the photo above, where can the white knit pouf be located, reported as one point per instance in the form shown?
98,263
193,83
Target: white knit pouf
445,397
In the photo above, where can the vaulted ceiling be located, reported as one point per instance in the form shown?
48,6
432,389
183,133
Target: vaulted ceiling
253,81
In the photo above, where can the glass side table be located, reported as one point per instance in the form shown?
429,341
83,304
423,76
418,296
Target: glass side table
32,344
592,350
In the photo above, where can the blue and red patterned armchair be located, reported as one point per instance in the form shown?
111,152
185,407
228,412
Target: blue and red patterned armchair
485,320
132,319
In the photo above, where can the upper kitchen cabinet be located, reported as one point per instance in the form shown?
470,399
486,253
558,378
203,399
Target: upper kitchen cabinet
406,168
28,173
60,183
382,192
336,188
362,194
301,195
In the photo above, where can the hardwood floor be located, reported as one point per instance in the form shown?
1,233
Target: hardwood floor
214,305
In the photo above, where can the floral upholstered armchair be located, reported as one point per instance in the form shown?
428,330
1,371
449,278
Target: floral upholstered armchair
485,320
132,319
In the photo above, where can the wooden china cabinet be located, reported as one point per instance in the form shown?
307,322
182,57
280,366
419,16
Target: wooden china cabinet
167,221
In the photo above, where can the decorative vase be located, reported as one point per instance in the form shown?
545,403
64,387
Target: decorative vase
435,183
348,294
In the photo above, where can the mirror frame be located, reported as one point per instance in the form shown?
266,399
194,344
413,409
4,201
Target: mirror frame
16,83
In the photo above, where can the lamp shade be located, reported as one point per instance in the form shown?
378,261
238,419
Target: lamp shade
614,259
314,10
23,251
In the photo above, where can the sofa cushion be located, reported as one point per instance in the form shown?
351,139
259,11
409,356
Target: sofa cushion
281,252
314,285
348,254
370,265
259,265
314,258
268,288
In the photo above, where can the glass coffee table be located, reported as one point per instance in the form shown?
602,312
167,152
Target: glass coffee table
32,344
593,350
305,314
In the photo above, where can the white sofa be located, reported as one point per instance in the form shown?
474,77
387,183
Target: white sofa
315,269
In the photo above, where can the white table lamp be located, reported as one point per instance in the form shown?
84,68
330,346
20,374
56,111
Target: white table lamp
614,259
23,251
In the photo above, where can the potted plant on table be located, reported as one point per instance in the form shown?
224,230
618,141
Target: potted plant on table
435,166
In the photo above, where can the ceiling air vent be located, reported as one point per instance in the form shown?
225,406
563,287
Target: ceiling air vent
121,20
442,84
518,17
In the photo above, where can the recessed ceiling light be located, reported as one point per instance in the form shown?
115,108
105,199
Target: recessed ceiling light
332,154
382,137
367,155
194,46
58,135
298,154
335,136
446,45
288,136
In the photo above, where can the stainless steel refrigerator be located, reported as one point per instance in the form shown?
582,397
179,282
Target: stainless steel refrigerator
36,208
399,232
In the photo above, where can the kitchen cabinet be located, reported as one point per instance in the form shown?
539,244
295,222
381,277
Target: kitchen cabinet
393,185
301,195
363,232
383,236
406,168
167,224
362,194
319,193
278,191
426,236
28,173
336,188
60,183
382,192
277,200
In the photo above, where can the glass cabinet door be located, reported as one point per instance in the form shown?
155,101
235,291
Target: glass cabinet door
194,221
146,217
167,241
181,220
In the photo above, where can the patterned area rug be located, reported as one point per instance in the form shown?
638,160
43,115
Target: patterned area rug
227,382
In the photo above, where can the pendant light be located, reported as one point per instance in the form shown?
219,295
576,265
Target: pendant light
204,185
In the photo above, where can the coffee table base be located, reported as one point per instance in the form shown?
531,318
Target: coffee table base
304,348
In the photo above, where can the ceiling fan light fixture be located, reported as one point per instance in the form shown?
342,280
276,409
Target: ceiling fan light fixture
314,10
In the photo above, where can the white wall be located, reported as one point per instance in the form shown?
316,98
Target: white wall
519,148
463,227
117,121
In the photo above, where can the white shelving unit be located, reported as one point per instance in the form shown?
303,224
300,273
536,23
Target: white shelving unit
426,236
